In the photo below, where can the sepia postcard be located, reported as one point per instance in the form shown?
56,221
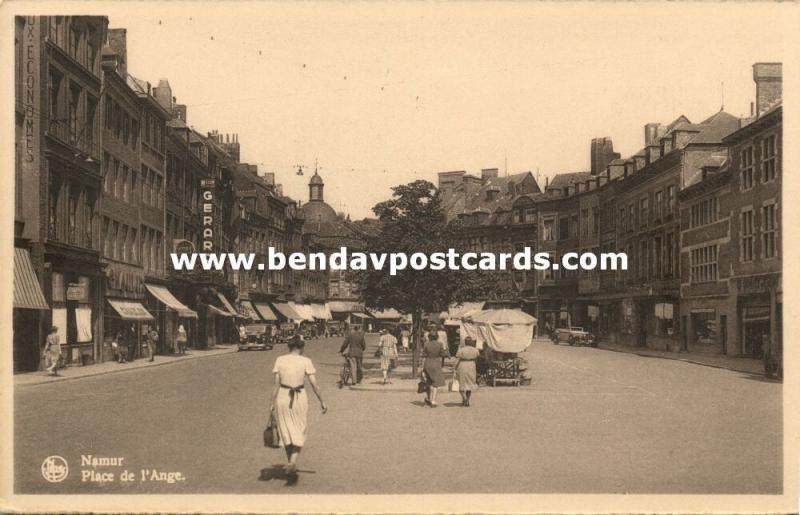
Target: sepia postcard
406,257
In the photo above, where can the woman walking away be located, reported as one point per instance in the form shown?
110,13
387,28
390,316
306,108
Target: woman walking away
52,351
180,340
290,403
434,354
388,348
465,372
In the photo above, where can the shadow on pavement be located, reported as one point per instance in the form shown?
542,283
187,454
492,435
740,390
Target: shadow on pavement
420,404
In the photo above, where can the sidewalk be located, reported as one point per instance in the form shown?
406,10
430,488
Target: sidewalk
402,379
746,365
111,367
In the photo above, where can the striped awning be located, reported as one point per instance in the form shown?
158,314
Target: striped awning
163,295
27,292
214,310
304,310
345,306
250,311
130,309
227,305
266,312
287,311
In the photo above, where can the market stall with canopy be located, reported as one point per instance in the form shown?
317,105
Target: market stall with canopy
501,334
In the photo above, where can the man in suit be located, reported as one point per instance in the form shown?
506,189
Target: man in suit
353,348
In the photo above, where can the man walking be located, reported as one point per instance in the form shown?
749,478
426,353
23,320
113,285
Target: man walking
52,351
353,348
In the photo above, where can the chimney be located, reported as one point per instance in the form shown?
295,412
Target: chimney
767,77
602,153
449,180
163,94
179,111
269,177
488,173
653,152
118,40
652,133
601,180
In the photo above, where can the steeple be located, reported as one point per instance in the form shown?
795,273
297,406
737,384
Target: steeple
315,188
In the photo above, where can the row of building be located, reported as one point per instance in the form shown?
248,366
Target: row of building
696,210
110,178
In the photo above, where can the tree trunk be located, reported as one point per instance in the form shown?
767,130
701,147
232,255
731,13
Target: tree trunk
416,321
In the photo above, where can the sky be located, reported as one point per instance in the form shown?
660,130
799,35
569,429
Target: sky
381,94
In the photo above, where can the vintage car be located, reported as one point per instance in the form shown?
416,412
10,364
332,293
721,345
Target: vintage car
256,338
574,336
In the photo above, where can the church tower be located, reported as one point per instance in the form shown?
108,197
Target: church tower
315,188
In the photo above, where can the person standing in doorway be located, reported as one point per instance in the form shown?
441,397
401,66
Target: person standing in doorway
353,348
52,351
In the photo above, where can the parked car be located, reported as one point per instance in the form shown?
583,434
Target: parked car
256,339
574,336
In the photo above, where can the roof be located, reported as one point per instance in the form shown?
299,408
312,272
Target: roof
318,211
715,128
315,179
563,180
465,199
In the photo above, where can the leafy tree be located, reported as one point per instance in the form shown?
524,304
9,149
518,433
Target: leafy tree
413,220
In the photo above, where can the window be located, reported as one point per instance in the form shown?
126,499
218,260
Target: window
643,261
126,127
671,199
622,220
107,175
547,273
748,236
518,215
768,159
107,237
747,167
547,231
114,240
91,50
563,228
658,257
768,225
145,185
124,185
134,187
669,255
643,212
703,266
584,223
530,215
56,29
124,242
595,221
134,134
56,80
89,126
631,217
74,42
658,205
575,225
704,212
74,109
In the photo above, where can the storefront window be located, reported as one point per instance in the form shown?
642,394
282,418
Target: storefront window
704,327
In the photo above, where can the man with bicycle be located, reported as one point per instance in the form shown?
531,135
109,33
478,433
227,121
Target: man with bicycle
353,349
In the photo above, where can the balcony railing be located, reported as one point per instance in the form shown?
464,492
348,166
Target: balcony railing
76,137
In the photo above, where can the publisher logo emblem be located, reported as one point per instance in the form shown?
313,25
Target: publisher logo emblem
55,469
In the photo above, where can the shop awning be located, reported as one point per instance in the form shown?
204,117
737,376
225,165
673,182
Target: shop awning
286,311
266,312
321,311
214,310
304,310
250,311
168,299
361,315
345,306
27,292
227,305
130,309
385,314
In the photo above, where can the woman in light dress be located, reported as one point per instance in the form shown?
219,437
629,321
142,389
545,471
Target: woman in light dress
388,348
290,402
465,372
52,351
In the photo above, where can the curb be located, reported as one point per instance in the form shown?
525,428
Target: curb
121,370
685,360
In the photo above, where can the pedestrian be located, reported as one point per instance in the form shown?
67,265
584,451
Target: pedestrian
290,403
121,347
52,351
441,336
130,339
242,334
432,367
405,338
180,340
353,349
152,342
464,370
388,348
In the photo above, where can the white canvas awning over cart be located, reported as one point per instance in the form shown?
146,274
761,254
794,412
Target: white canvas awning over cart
502,330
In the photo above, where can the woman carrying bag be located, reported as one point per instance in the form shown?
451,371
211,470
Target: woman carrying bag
289,410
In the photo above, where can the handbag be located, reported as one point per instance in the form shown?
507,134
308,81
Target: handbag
453,384
378,353
271,436
423,386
